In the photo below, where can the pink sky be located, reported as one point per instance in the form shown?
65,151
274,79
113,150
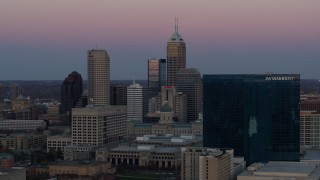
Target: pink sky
125,23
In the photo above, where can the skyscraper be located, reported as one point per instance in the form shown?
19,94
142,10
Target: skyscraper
98,77
157,76
118,94
189,83
1,93
256,115
176,56
71,91
135,102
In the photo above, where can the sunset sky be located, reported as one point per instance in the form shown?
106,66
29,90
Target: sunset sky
47,40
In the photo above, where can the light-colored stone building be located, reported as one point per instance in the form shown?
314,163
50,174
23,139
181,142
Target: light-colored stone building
168,141
142,155
97,126
22,125
165,126
209,164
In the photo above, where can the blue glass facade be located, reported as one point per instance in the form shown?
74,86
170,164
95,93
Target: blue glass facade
257,115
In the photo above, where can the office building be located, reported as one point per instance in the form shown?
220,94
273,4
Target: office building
210,164
176,56
20,103
58,142
118,94
189,82
256,115
98,77
181,107
135,102
22,141
157,76
96,126
309,129
71,91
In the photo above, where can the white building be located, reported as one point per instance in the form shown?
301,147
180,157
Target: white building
98,126
135,102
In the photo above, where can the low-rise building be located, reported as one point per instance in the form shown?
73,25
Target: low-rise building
22,141
58,142
80,170
168,141
282,171
79,152
142,155
22,125
12,173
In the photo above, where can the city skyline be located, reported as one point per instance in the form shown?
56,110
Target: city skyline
47,40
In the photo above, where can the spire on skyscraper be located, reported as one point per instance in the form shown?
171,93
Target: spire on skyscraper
176,37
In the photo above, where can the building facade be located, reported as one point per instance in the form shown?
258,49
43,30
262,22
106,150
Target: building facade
98,77
206,164
189,82
176,56
71,91
98,126
135,102
157,76
309,129
256,115
22,125
118,94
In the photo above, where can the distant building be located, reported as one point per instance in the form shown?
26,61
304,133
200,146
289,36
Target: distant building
22,125
135,102
118,94
143,155
98,77
58,142
80,170
6,160
12,173
256,115
22,141
157,76
176,56
189,82
310,102
309,129
20,103
98,126
281,171
166,125
71,91
2,88
168,141
15,91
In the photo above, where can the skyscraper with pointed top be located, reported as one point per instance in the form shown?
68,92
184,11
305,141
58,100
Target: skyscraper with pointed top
176,56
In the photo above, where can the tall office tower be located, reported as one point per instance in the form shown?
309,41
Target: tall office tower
1,93
176,56
98,77
309,129
71,91
135,102
181,107
118,94
157,76
189,82
256,115
15,91
98,126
